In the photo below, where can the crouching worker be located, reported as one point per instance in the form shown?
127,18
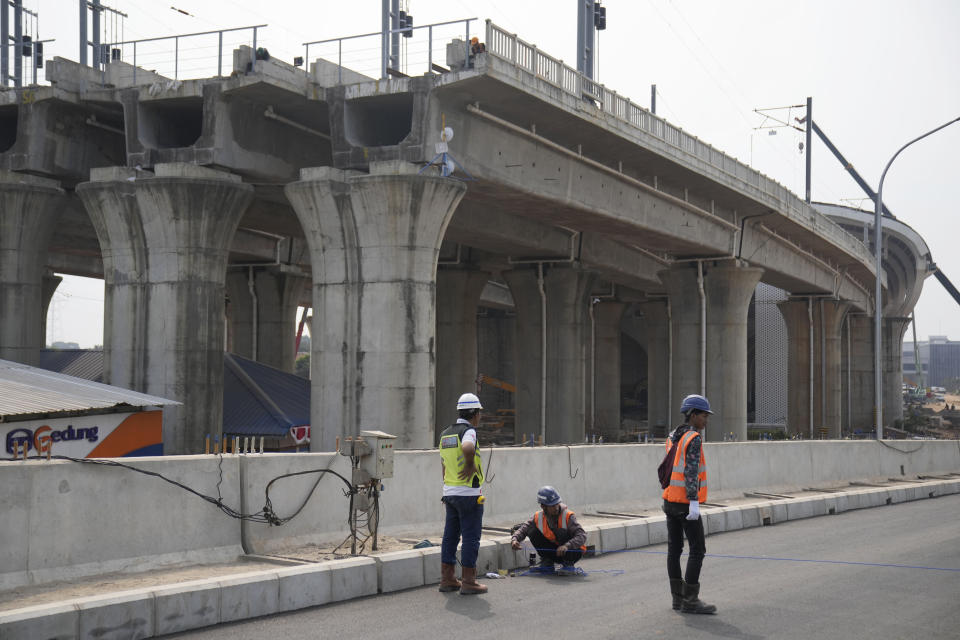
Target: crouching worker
555,533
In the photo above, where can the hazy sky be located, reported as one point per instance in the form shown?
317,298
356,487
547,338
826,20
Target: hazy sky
881,72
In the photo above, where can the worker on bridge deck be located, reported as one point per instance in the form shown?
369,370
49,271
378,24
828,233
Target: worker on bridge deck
555,533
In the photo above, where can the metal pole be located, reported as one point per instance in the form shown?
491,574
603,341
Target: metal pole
83,38
17,42
95,24
809,124
878,310
653,99
916,350
219,54
395,34
176,57
4,47
384,37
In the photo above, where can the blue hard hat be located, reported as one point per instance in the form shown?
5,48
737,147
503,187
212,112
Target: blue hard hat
548,496
697,402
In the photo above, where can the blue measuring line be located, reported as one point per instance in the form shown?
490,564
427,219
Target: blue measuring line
847,562
775,559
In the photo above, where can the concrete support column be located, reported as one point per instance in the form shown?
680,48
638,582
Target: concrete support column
458,294
604,383
277,293
111,203
239,313
29,207
796,316
374,241
831,314
860,371
728,290
167,322
50,283
828,406
659,414
892,361
682,289
566,289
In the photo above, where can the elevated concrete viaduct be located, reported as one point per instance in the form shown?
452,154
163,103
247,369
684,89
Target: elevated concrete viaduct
274,187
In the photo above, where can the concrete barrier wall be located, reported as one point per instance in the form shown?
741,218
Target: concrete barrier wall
63,519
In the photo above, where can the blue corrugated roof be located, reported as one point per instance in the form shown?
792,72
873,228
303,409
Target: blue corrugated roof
262,401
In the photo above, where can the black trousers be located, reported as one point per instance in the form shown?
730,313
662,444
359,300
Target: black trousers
677,527
547,549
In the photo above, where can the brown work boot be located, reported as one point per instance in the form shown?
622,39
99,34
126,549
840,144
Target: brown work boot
469,585
448,578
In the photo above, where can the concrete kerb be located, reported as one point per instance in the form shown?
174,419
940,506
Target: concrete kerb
145,613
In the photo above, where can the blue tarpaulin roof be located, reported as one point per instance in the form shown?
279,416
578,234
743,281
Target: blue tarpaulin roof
257,400
262,401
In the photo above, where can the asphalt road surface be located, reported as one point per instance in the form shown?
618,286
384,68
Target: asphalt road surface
887,572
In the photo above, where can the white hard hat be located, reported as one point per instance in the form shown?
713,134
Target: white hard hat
469,401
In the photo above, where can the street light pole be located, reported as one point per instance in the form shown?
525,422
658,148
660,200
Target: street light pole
878,312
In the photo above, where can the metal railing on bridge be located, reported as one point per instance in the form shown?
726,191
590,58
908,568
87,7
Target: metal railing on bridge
527,57
415,54
181,56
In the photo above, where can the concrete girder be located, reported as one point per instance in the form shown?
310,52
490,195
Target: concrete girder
788,267
531,178
46,133
196,121
522,238
29,208
901,243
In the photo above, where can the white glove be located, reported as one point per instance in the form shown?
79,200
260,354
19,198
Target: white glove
694,510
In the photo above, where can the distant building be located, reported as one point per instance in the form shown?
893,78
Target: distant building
939,362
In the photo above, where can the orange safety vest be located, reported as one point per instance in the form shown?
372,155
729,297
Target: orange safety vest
676,491
540,519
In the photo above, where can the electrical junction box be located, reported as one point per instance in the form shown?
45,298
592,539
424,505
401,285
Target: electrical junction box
379,464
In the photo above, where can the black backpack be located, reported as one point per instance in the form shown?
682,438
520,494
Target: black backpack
666,466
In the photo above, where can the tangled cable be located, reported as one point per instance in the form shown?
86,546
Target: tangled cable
267,515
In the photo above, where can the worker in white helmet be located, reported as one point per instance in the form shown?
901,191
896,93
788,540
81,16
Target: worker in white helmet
462,497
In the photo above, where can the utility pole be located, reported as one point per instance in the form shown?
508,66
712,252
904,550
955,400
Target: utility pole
809,124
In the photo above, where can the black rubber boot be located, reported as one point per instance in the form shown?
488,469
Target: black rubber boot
676,590
692,603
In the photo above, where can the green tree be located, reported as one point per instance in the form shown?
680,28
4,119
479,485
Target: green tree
302,365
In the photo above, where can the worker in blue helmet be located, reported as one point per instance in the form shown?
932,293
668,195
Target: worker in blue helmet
682,497
555,533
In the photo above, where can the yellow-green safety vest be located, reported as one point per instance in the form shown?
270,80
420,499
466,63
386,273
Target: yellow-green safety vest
452,457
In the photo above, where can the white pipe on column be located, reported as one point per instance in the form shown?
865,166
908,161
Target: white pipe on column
823,367
703,329
254,315
669,373
593,367
849,390
810,386
543,354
